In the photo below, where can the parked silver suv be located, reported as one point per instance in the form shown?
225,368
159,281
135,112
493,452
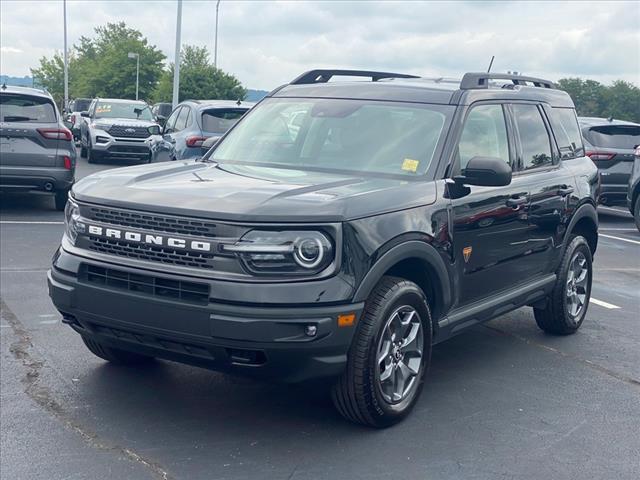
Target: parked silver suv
37,152
117,129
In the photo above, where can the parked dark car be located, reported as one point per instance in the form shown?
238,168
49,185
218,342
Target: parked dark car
37,153
161,111
390,216
194,121
118,129
610,144
633,191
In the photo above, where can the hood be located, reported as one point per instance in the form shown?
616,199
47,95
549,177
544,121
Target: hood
246,193
125,122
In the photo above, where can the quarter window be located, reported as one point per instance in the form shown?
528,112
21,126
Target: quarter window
534,138
183,117
484,135
567,132
171,121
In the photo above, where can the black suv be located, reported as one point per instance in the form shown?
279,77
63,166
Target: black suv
339,230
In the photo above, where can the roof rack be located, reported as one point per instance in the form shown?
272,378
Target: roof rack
478,80
323,76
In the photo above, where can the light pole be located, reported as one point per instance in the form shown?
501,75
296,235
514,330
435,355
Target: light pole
215,43
176,65
137,57
66,60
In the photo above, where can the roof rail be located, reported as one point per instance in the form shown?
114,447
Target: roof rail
323,76
477,80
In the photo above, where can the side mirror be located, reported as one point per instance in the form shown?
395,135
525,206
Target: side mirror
486,172
208,143
84,114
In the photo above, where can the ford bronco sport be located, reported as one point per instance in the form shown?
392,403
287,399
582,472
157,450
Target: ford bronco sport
397,213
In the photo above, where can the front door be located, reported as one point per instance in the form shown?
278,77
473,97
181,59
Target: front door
490,224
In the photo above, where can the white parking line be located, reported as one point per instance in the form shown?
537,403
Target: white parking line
619,238
619,229
614,210
610,306
18,222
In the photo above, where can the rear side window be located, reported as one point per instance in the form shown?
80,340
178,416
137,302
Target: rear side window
484,135
25,108
183,117
614,136
565,127
534,138
220,120
81,104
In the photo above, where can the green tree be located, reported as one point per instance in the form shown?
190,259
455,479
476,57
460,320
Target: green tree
620,100
199,79
100,66
588,95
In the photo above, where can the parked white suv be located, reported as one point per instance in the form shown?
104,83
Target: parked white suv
117,129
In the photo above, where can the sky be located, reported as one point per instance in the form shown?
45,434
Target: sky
267,43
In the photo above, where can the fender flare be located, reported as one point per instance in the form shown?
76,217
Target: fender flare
586,210
410,249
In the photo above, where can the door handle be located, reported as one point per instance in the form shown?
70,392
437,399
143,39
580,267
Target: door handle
565,190
516,201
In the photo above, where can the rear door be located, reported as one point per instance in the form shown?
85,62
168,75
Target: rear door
551,186
24,122
611,149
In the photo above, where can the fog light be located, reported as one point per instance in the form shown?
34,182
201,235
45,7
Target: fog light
311,330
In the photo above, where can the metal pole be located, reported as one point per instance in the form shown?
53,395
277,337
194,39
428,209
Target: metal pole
137,73
176,68
215,44
66,59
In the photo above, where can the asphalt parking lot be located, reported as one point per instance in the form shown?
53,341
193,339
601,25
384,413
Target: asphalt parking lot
503,400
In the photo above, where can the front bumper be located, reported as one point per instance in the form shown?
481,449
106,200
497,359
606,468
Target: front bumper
126,309
103,144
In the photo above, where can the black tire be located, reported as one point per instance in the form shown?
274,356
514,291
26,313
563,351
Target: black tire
60,199
115,355
636,213
92,156
556,318
83,149
358,395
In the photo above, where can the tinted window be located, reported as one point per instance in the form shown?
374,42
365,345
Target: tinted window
172,120
133,110
614,136
567,132
337,134
81,104
534,138
484,135
164,109
183,117
25,108
220,120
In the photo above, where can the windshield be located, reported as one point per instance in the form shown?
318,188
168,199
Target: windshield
614,136
25,108
133,110
358,135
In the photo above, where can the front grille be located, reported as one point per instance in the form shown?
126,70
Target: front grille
133,132
148,221
147,285
151,253
136,150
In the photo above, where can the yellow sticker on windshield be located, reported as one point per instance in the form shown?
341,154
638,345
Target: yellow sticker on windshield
103,108
410,165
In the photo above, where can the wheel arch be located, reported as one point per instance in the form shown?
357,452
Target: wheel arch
418,262
585,223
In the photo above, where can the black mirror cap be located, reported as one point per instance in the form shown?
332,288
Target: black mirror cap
84,114
486,172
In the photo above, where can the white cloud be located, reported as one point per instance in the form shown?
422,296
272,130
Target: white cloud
10,50
268,43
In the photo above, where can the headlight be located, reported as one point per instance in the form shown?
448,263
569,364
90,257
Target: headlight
99,126
293,251
73,226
